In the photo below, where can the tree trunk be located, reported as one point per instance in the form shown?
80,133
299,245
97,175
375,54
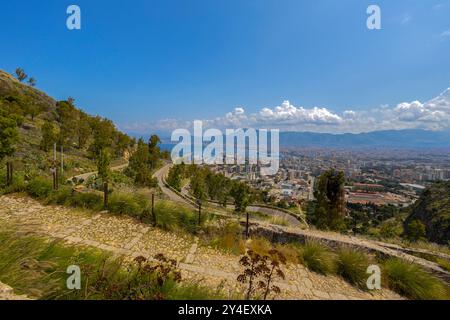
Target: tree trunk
199,213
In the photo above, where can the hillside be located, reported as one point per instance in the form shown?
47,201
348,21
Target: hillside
69,127
433,210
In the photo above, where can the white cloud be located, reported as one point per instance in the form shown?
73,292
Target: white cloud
287,113
406,18
445,34
432,115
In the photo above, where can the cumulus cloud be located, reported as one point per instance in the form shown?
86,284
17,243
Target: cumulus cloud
432,115
287,113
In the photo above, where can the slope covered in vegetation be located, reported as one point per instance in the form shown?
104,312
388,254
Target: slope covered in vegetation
431,213
32,122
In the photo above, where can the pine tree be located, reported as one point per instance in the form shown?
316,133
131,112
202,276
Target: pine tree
48,136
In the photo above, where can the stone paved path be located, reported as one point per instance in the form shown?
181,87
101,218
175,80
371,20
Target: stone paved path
7,293
127,237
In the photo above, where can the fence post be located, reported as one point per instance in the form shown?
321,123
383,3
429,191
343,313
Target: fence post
246,226
105,195
153,209
56,179
7,173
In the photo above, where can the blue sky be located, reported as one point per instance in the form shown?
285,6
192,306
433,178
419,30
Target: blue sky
138,62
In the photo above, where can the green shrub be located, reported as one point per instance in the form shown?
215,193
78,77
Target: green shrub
229,238
36,267
61,196
129,204
413,282
18,185
93,201
171,216
352,266
40,188
317,258
416,231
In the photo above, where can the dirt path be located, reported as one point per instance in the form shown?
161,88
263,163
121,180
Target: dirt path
126,237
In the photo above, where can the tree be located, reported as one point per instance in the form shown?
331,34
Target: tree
416,231
83,129
330,208
32,81
8,137
174,177
103,163
138,166
20,74
199,191
154,151
242,196
67,115
123,142
104,132
49,136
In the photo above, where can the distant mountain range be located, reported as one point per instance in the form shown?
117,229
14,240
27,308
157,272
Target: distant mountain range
390,139
404,139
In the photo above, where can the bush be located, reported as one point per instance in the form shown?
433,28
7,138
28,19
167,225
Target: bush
412,281
352,266
172,217
40,188
416,231
61,196
18,185
93,201
317,258
260,246
229,238
129,204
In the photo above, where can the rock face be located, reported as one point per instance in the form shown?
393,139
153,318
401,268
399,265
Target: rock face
433,210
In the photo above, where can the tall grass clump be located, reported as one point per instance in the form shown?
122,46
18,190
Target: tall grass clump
127,203
352,266
18,185
172,217
228,238
317,257
413,282
36,267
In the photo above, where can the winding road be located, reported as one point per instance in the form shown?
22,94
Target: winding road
183,198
